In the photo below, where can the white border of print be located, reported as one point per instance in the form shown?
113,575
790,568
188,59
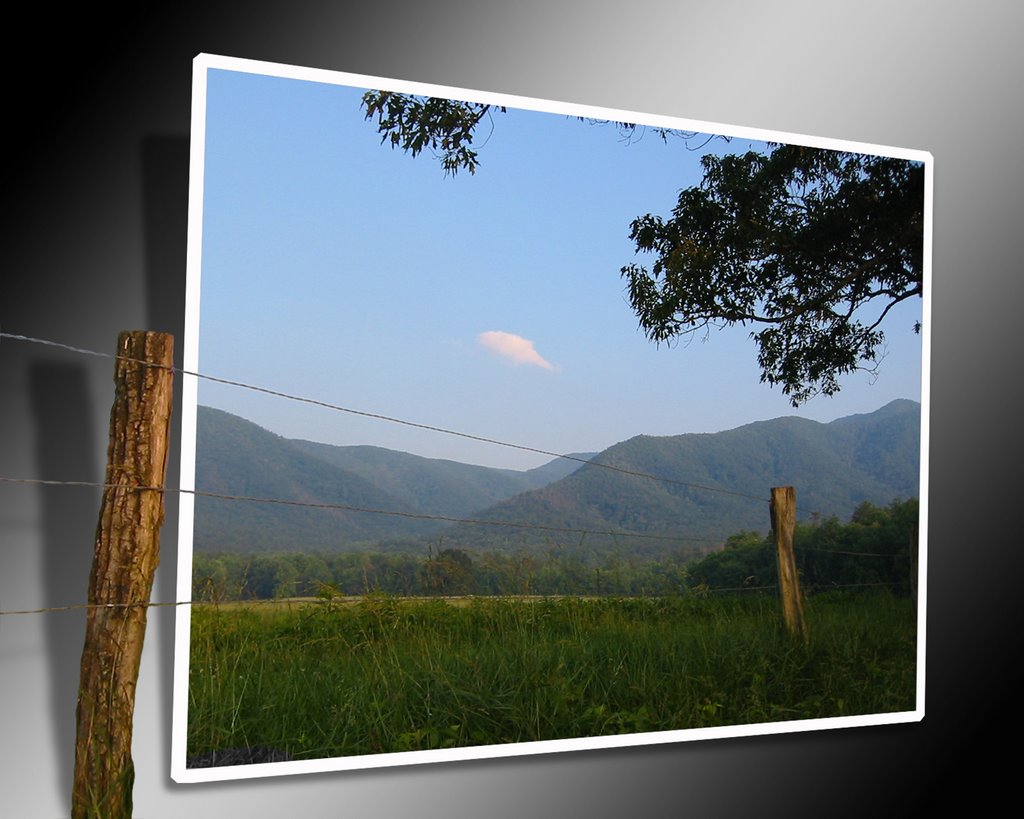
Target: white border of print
179,772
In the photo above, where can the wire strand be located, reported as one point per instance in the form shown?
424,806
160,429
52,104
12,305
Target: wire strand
390,419
78,606
314,600
386,512
392,513
851,554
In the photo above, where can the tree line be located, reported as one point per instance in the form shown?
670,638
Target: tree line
872,548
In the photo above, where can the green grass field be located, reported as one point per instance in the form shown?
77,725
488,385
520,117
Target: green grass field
386,674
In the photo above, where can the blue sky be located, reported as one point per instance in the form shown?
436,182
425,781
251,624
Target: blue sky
337,268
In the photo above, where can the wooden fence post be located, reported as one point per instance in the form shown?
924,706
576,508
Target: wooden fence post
783,514
126,554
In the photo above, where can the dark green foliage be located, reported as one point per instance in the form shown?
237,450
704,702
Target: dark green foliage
450,571
232,576
445,127
235,576
813,244
747,563
873,549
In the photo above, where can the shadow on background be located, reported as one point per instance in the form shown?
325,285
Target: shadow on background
165,222
65,430
165,162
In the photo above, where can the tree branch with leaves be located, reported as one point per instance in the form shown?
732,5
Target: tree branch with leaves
813,245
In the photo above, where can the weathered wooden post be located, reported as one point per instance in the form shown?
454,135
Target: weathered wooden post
783,514
126,554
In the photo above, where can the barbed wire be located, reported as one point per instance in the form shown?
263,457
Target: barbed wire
78,606
306,601
804,587
830,586
851,554
385,512
381,417
390,513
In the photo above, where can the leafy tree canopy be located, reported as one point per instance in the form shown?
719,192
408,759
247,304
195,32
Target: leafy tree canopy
814,246
413,123
447,127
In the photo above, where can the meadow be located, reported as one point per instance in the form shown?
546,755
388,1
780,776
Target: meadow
381,674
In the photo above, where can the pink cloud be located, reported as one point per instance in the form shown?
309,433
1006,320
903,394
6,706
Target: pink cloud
515,348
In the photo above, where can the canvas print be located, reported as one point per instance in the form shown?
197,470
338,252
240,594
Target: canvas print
514,426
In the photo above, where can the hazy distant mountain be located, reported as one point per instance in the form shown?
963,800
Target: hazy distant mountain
834,467
436,486
236,457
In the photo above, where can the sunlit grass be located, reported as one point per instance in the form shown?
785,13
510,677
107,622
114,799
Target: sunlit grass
386,674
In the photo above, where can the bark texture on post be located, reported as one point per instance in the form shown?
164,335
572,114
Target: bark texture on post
783,513
127,551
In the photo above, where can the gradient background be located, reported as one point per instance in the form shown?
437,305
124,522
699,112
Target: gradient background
94,242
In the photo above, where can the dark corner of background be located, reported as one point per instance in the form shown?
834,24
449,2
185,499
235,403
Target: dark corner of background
165,175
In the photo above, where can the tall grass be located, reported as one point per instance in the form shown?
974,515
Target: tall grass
388,674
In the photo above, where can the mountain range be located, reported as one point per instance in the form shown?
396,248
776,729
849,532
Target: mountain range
682,491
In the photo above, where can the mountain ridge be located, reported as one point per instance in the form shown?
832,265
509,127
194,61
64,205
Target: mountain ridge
706,486
709,481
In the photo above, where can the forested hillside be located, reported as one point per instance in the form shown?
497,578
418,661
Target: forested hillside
711,485
705,488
